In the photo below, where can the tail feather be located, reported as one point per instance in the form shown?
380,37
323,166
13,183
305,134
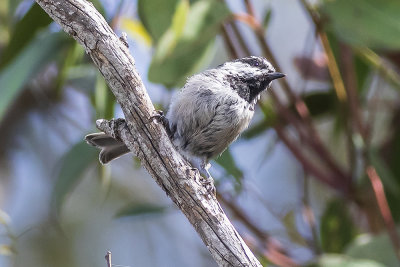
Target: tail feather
110,148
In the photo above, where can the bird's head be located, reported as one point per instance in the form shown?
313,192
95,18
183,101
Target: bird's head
249,76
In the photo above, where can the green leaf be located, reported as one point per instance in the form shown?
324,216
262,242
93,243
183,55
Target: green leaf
289,220
362,71
72,166
338,260
4,23
141,209
28,63
175,68
13,5
228,163
371,23
270,119
25,30
378,248
179,18
67,61
256,129
156,15
321,103
170,38
267,18
177,58
104,99
375,61
337,229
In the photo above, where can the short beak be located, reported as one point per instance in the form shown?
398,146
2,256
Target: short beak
275,75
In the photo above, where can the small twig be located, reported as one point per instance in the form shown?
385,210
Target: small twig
108,258
228,42
352,112
250,8
240,39
311,135
299,155
333,68
239,214
274,253
374,105
309,215
313,142
247,19
307,164
383,205
381,65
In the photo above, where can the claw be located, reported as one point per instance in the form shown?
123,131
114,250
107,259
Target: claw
157,114
160,118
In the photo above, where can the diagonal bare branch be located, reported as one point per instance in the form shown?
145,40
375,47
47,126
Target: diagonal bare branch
146,139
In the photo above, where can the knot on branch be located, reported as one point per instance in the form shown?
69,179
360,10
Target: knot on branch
113,127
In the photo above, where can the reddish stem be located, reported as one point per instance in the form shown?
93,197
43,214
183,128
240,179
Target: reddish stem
384,209
310,135
307,164
274,253
228,42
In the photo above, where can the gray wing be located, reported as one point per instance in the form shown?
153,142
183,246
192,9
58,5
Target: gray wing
203,119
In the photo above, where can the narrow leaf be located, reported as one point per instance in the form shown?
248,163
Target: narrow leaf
177,58
289,220
141,209
179,18
321,103
25,30
228,163
374,247
337,229
267,18
72,166
370,23
337,260
28,63
104,99
156,16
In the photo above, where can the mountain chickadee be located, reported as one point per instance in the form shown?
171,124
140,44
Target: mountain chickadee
209,113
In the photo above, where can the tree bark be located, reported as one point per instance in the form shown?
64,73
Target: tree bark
145,138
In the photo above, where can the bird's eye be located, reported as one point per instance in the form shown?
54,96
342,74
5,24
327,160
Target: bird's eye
257,64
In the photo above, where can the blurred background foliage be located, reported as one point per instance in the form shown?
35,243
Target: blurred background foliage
314,181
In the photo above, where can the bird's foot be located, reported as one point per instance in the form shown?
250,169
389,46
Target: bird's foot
159,117
207,181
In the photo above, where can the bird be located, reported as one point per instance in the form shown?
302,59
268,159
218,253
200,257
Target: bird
209,113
